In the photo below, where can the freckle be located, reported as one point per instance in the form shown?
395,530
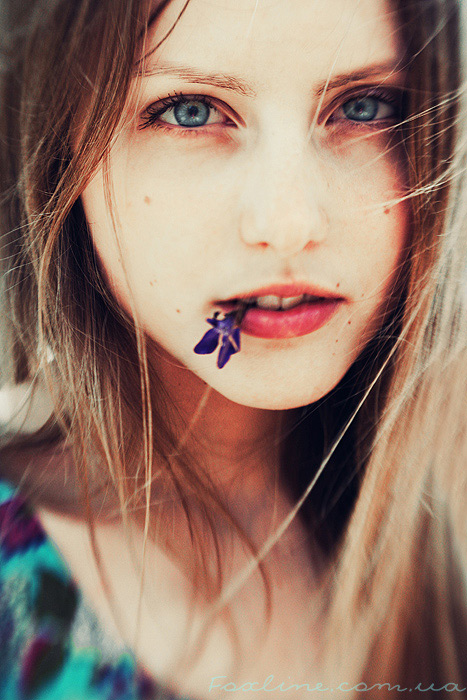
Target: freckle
147,200
178,311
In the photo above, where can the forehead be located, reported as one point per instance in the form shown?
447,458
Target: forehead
265,41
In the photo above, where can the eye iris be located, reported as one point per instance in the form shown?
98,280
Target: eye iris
191,113
362,109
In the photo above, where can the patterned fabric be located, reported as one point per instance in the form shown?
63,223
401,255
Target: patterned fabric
42,615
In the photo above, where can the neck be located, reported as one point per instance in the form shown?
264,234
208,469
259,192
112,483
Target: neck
238,446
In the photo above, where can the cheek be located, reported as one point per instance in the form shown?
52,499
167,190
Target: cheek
384,266
373,204
393,219
175,203
371,232
159,227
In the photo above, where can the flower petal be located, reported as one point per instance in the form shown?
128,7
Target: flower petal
227,349
208,342
235,335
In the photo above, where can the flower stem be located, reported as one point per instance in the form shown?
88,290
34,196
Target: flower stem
241,311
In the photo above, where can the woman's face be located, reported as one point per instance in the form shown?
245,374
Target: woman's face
236,170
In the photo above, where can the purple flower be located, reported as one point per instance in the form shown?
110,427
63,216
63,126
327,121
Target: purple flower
223,328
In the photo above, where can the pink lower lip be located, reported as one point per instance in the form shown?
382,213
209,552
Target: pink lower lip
291,323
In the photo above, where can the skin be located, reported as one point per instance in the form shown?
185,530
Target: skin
280,186
256,197
203,216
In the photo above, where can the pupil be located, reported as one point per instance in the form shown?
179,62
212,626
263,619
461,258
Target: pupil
193,113
361,110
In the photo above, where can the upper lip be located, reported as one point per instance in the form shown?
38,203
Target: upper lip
286,290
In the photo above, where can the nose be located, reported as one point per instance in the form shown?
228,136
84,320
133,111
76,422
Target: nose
282,204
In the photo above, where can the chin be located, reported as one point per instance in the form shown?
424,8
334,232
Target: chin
275,397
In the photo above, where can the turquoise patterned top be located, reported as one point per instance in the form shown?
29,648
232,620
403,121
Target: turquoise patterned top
40,657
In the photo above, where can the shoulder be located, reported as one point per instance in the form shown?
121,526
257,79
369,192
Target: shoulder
41,610
22,537
36,595
28,559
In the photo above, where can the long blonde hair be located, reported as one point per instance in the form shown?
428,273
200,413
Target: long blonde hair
376,467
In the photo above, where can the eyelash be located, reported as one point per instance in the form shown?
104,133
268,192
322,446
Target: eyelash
154,111
394,98
150,119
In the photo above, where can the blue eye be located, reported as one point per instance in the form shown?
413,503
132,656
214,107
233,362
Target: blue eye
185,112
362,110
366,109
192,113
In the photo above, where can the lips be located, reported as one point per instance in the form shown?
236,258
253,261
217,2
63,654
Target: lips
282,290
301,319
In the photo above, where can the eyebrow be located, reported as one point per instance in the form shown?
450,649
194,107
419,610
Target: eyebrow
193,75
235,84
385,70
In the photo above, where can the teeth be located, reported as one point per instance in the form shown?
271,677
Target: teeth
288,302
272,302
268,302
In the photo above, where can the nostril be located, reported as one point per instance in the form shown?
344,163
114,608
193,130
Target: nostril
289,224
